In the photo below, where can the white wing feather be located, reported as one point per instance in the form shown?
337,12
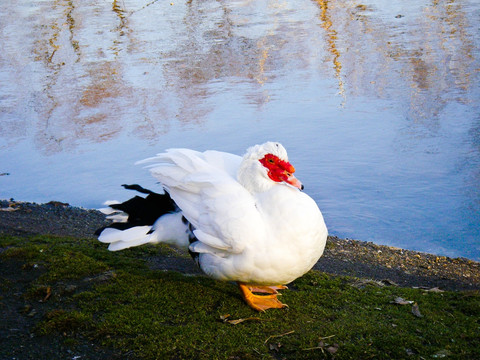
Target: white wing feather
204,186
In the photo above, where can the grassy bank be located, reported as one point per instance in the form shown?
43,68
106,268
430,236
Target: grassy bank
96,304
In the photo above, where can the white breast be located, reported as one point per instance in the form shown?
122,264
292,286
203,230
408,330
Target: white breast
293,240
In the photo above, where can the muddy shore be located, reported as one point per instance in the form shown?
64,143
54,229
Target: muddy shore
354,258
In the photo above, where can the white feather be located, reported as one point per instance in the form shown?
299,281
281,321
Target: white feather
122,239
111,202
107,210
118,217
169,229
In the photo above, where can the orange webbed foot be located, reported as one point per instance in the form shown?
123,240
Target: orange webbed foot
267,289
262,302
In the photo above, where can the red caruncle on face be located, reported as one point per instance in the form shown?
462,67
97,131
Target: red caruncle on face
280,170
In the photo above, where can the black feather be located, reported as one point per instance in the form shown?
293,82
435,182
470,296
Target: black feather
142,211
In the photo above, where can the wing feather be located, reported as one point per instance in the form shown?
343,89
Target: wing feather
205,188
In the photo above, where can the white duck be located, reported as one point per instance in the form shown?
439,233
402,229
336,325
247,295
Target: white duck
242,219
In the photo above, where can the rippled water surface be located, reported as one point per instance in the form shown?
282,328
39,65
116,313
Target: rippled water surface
377,102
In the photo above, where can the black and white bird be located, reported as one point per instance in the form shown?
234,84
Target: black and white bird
243,219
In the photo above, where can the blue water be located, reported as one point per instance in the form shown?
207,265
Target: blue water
377,104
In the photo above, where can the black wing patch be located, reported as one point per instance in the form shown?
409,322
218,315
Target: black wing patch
142,211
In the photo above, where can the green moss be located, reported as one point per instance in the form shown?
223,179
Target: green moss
63,322
24,253
157,314
73,265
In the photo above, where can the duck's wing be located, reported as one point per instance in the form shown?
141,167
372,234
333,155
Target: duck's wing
204,187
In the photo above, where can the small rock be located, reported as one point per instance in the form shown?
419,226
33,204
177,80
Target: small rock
69,289
416,311
410,352
442,354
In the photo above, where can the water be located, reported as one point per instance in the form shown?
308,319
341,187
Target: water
376,102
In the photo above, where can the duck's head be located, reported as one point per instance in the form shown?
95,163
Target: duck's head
266,165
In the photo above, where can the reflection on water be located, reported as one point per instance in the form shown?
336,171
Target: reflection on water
384,96
331,40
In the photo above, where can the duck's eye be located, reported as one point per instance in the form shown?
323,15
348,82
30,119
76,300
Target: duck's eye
271,161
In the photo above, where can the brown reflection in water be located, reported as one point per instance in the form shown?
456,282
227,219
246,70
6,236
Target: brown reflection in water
54,47
94,112
421,58
331,39
443,65
48,43
103,87
150,118
222,54
78,94
122,28
227,54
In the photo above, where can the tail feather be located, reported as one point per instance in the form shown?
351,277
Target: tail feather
138,221
123,239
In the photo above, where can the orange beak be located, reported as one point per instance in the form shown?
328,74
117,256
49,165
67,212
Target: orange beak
292,180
